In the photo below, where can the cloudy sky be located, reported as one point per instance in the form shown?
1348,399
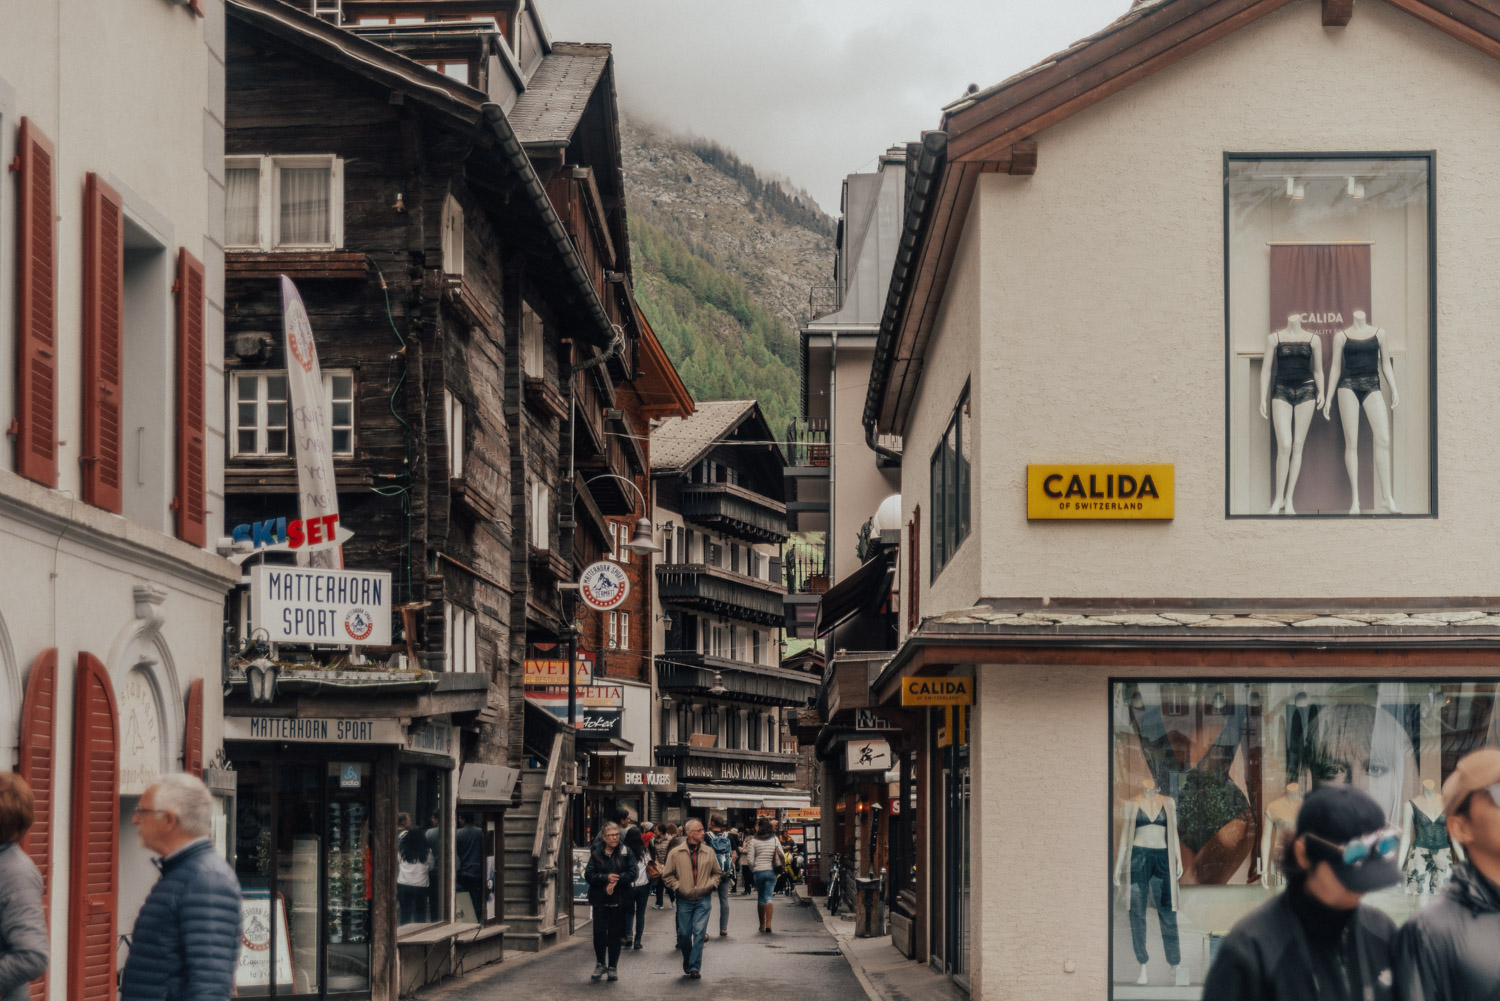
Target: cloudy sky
816,89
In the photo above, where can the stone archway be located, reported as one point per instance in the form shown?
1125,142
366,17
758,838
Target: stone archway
152,714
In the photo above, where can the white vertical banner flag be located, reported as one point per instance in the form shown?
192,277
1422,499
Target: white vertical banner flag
312,423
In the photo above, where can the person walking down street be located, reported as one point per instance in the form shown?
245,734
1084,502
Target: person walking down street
640,890
468,854
1316,941
186,943
611,877
723,849
692,873
765,858
1451,949
660,845
24,950
413,876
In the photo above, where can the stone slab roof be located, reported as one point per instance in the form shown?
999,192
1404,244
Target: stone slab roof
677,442
549,110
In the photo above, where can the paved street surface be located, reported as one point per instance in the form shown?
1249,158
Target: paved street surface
799,960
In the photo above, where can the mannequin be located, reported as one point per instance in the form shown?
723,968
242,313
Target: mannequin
1150,853
1424,833
1356,375
1298,394
1281,814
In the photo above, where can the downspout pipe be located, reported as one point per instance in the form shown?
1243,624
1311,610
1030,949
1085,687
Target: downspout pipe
924,163
532,185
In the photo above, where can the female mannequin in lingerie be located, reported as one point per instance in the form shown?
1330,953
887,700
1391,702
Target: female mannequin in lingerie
1424,833
1281,814
1149,852
1360,355
1296,396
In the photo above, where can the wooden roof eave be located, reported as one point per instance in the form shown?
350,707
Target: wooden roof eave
659,380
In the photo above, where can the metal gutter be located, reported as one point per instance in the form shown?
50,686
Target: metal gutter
926,162
532,185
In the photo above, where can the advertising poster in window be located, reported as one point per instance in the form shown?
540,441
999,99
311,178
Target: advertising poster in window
1330,336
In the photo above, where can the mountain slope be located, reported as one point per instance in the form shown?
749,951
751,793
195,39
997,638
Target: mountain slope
724,261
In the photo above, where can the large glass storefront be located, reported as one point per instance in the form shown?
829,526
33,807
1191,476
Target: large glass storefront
303,856
1208,775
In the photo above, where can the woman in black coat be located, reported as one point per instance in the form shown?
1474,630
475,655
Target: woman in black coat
610,874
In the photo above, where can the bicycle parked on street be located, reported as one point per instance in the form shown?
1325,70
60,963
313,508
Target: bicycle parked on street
835,883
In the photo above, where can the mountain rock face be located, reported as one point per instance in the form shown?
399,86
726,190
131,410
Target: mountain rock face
725,259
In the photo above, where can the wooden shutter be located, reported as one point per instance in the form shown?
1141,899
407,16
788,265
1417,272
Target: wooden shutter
103,343
192,737
38,758
94,873
192,432
35,424
914,570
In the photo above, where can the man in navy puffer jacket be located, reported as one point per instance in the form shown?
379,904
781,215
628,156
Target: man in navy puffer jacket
187,936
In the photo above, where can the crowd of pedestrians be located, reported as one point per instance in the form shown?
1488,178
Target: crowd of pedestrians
1318,940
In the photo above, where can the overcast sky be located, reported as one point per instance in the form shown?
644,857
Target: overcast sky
816,89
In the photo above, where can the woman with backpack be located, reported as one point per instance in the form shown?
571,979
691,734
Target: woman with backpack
611,877
640,890
722,845
765,855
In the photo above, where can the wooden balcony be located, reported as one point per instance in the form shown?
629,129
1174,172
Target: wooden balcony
716,591
734,510
687,672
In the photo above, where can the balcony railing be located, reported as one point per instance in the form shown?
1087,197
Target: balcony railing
806,569
807,443
688,672
735,510
822,300
723,764
703,588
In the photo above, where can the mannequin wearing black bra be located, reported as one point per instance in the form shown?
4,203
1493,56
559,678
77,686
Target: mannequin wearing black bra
1297,356
1360,356
1427,854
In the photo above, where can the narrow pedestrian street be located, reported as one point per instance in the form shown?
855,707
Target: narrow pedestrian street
801,958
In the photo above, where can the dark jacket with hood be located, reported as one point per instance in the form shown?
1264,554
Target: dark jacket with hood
601,865
1451,949
1293,948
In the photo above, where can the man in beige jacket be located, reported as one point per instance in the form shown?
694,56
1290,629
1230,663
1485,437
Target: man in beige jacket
692,874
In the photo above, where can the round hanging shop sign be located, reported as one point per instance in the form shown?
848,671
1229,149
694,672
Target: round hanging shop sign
603,586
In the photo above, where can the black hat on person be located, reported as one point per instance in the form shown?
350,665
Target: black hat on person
1342,813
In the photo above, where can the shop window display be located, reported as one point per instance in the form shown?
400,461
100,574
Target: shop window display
1330,339
422,854
1207,776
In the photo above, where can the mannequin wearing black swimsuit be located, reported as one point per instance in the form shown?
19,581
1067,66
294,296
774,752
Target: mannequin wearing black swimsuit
1360,357
1297,358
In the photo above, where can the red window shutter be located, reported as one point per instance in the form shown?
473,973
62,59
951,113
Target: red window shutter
38,758
192,739
914,570
35,425
192,433
103,342
94,871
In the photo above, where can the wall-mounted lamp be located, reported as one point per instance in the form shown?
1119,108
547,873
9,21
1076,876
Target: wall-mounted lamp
400,205
261,673
718,685
1295,190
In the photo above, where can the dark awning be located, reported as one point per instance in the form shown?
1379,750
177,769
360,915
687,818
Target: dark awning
863,590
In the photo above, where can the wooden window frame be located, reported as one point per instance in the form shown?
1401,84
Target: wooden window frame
951,503
268,218
461,639
262,404
453,237
454,432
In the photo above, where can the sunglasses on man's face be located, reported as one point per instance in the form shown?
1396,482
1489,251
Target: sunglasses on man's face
1357,851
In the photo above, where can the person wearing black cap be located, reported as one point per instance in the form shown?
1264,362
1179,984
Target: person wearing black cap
1315,940
1451,949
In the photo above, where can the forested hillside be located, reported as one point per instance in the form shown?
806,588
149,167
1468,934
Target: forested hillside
724,261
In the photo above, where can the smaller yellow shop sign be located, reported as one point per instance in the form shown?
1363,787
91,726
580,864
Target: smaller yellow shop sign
937,691
1105,491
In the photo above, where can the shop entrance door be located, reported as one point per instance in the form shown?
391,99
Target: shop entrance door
303,839
956,858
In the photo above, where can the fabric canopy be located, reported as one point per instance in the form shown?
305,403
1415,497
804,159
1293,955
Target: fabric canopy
746,797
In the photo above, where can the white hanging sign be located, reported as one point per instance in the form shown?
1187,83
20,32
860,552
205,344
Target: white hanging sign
603,586
323,607
312,423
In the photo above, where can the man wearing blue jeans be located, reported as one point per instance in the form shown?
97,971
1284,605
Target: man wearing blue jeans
723,845
692,874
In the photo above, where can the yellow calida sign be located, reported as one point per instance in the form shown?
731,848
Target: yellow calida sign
937,691
1100,491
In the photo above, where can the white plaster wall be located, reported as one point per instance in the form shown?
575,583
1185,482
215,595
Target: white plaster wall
1100,298
858,485
952,358
1041,889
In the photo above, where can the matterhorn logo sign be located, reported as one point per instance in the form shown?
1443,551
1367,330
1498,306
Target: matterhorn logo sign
603,586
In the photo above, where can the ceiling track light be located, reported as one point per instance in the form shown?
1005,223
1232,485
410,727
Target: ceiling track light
1356,188
1295,190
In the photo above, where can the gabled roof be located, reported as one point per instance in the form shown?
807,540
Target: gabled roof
991,131
678,443
548,112
658,384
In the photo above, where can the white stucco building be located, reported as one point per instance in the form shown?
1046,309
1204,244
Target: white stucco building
111,599
1107,253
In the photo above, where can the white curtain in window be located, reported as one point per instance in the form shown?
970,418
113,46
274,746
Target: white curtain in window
242,193
304,204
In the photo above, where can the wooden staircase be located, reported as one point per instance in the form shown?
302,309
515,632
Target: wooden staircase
538,879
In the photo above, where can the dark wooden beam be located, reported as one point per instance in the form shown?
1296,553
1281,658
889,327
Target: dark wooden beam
1336,13
1023,158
